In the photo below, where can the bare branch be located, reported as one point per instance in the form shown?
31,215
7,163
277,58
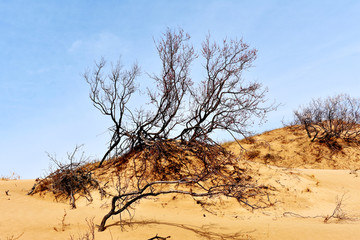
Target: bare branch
168,148
110,95
222,101
327,120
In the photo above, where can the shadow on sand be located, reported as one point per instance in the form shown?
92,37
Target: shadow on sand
204,232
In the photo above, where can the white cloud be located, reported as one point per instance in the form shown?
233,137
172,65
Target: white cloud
75,46
102,44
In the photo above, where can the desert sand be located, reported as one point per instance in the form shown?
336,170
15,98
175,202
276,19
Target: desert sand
306,191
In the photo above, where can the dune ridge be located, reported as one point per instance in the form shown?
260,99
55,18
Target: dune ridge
307,181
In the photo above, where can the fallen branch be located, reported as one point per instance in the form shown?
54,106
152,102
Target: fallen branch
338,214
157,237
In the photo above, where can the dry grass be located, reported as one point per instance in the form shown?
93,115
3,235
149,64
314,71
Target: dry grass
89,235
63,224
12,237
338,214
13,176
253,154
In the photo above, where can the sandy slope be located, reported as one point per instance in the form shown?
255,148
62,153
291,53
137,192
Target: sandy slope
301,201
290,147
305,192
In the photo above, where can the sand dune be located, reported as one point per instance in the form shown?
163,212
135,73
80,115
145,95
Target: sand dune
302,199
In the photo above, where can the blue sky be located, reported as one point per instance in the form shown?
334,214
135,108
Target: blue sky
306,49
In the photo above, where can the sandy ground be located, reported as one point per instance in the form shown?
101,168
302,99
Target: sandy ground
301,201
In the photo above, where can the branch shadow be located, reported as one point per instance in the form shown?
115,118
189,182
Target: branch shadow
203,232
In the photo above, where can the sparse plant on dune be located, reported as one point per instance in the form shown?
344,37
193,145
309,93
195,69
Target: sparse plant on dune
330,119
12,176
167,148
63,224
338,213
69,179
178,108
90,234
253,154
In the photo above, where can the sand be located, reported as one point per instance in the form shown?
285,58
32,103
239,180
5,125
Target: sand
302,200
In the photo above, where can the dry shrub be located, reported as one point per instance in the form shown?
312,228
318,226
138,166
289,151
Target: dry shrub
167,146
338,214
250,140
13,176
202,170
173,160
270,157
331,119
253,154
262,144
333,144
69,179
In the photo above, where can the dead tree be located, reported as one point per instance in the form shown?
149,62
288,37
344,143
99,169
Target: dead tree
167,148
181,110
327,120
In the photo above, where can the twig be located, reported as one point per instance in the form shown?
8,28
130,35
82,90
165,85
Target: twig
338,214
160,238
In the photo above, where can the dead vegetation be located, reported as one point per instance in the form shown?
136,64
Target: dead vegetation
69,180
165,147
13,237
201,171
331,119
63,224
338,214
253,154
89,235
159,238
12,176
290,147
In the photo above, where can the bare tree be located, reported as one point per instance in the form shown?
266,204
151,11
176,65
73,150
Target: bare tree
326,120
168,149
222,101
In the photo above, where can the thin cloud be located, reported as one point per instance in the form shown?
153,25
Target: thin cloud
102,44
